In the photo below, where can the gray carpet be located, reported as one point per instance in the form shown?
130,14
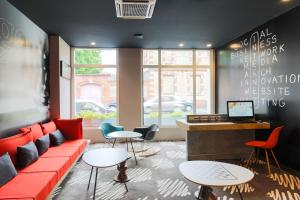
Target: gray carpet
157,177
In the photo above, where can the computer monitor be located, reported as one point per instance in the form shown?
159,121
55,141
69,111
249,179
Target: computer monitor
240,110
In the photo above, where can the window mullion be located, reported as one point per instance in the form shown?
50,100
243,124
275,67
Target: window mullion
194,83
159,88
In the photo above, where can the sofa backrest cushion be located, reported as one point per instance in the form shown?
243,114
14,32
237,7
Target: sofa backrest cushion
7,169
56,138
43,144
26,155
48,127
35,130
70,128
10,144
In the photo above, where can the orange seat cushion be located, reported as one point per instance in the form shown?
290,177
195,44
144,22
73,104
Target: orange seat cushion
10,144
35,130
259,144
36,185
75,143
60,165
58,151
48,127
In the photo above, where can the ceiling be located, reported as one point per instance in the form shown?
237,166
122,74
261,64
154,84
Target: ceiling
192,22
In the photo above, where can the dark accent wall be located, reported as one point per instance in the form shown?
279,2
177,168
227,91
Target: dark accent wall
264,65
24,77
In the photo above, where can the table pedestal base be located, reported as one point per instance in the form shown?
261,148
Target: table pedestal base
122,176
205,193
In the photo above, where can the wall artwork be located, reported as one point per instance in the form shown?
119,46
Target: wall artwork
24,78
65,70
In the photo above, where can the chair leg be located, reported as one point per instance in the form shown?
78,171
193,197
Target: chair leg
276,161
268,163
248,162
143,147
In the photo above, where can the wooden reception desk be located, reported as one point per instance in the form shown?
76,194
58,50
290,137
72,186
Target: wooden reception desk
219,140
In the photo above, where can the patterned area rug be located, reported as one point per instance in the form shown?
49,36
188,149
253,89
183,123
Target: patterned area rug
158,177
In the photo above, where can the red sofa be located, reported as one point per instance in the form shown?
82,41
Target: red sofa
38,180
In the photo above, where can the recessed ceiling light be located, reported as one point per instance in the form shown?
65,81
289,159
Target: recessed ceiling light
209,45
93,43
181,45
284,1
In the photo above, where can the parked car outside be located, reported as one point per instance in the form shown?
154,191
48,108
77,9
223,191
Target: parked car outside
168,104
88,105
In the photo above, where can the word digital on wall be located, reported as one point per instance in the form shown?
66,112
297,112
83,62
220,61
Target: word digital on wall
260,56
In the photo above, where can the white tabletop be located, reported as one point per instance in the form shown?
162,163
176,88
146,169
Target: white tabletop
212,173
105,157
124,134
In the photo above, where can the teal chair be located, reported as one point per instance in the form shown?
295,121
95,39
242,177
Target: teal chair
108,128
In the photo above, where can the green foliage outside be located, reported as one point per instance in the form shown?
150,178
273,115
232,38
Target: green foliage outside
173,115
90,115
87,56
87,71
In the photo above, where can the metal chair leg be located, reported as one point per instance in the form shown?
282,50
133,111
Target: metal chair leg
276,161
268,163
248,162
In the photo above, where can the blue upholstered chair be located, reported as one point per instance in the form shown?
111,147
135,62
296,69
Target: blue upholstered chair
108,128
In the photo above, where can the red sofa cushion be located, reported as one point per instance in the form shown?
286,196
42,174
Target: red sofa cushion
48,127
35,130
60,165
75,143
71,152
70,128
10,144
33,185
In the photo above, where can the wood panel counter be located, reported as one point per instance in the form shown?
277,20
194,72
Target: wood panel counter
219,140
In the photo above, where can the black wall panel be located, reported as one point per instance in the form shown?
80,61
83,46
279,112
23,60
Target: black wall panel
24,88
264,65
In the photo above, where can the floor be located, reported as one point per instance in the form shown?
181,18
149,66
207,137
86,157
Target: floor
157,177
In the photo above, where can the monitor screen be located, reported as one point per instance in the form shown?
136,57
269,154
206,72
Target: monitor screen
240,109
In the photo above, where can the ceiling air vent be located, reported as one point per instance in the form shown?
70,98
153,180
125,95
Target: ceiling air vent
135,9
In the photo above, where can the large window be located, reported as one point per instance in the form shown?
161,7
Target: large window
95,86
175,83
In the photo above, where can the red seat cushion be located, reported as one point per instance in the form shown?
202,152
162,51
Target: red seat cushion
33,185
60,165
75,143
71,152
10,144
259,144
35,130
71,128
48,127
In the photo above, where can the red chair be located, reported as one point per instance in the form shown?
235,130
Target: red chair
267,145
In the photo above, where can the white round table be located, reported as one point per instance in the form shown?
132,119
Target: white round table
212,173
125,135
107,157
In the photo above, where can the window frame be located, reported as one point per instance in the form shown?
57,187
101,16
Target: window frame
73,84
194,68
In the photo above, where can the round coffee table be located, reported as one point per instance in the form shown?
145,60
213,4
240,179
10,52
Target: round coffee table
212,173
125,135
107,157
